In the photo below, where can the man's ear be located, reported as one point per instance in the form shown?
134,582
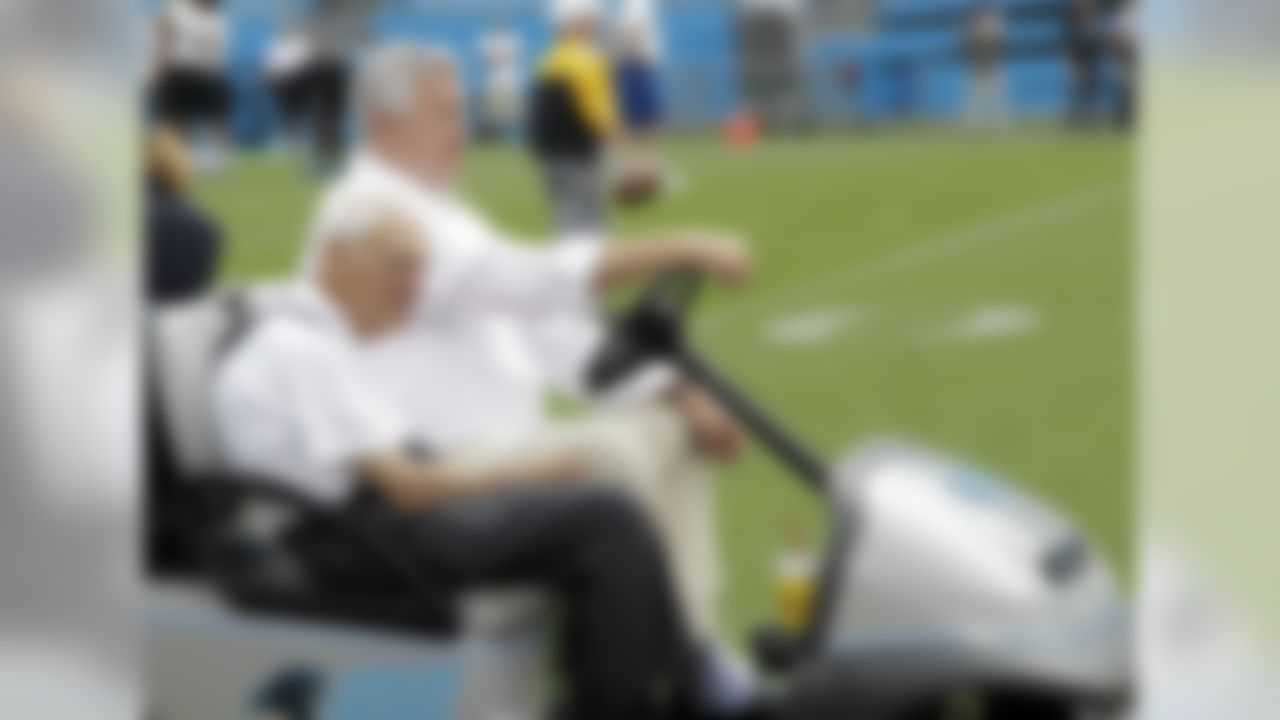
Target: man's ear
336,253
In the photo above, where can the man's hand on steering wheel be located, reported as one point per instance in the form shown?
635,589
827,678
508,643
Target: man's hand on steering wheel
717,434
722,256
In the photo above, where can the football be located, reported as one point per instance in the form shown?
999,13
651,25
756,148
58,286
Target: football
636,187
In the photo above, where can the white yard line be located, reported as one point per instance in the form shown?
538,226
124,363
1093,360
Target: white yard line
809,328
984,324
1001,228
825,326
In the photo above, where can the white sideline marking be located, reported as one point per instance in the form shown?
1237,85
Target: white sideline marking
675,183
808,328
986,323
997,229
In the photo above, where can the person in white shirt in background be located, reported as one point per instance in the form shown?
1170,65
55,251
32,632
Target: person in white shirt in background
284,69
503,84
190,90
502,323
310,82
293,402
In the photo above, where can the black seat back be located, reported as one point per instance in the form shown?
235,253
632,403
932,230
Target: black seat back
183,344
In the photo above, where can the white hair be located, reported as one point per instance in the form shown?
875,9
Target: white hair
351,217
567,12
348,217
390,77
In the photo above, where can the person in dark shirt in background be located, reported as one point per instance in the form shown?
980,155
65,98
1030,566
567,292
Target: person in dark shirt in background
1083,51
1123,44
574,119
183,244
310,82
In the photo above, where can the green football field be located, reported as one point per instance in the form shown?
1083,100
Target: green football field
969,294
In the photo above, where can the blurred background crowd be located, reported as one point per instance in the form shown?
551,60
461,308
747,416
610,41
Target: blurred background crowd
259,73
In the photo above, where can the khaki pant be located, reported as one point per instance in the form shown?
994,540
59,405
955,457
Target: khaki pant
648,453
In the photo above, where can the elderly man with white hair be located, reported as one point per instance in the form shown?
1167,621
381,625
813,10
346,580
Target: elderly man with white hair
293,402
499,323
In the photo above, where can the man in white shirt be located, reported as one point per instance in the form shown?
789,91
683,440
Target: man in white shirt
284,69
310,83
502,322
503,84
191,89
293,402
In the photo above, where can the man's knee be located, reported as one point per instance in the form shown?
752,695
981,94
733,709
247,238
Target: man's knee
651,440
613,527
617,544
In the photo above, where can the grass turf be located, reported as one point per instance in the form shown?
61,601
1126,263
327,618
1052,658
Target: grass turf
971,294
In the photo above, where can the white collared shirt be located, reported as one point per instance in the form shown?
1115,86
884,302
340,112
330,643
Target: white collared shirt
293,401
500,323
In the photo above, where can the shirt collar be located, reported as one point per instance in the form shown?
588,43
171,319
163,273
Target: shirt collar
368,164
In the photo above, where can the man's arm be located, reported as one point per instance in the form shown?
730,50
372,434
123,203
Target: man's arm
564,336
535,282
562,327
719,255
411,485
717,433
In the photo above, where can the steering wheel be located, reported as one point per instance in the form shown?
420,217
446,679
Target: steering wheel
652,328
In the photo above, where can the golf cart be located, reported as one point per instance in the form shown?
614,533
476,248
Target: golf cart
943,593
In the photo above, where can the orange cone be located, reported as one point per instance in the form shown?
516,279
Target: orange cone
742,130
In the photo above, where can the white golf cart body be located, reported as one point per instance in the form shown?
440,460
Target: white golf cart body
944,579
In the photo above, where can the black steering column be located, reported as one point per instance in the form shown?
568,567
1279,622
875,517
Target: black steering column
653,330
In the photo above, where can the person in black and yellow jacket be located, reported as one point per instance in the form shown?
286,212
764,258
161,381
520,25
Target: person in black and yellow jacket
573,118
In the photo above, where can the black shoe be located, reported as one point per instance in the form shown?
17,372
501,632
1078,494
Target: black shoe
293,692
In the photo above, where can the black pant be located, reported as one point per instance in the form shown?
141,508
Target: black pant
186,96
592,548
315,97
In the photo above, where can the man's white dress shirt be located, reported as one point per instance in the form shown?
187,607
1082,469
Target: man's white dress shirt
293,402
500,322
